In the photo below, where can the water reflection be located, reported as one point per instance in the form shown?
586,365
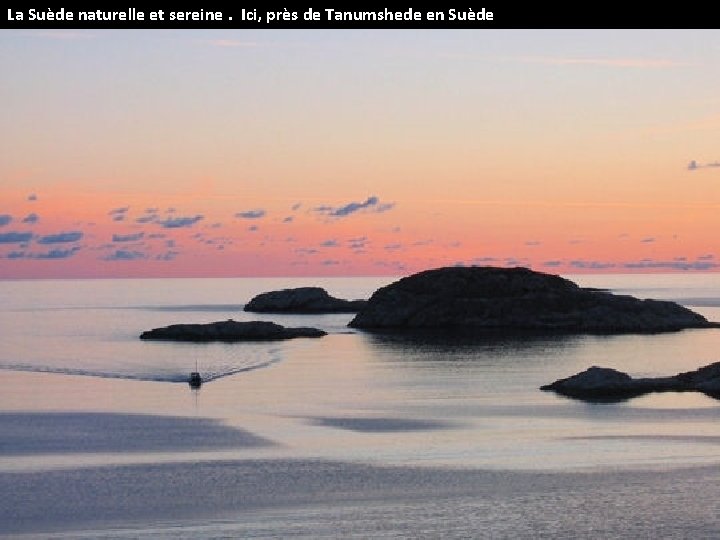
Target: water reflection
463,348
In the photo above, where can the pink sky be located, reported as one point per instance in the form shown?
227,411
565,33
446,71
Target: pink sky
164,153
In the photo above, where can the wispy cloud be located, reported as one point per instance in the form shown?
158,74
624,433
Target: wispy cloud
371,204
119,214
592,265
54,254
5,219
151,214
128,237
125,255
252,214
61,238
637,63
180,222
677,264
15,237
168,256
694,165
358,244
31,219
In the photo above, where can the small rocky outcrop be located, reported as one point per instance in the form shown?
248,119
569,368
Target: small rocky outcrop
515,300
303,300
604,383
230,331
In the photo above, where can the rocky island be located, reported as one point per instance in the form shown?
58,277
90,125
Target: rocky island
598,383
230,331
302,300
515,300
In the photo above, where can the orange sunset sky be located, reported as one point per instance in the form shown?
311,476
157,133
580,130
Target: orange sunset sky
129,153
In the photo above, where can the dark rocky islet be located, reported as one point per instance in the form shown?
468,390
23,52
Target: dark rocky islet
515,300
302,300
598,383
230,331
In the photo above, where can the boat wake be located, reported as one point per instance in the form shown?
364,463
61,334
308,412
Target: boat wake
166,376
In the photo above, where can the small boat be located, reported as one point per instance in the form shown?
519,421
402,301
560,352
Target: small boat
195,380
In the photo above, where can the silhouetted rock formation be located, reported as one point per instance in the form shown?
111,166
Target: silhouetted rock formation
304,300
515,300
230,331
605,383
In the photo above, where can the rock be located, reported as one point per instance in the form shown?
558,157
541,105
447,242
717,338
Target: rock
303,300
230,331
515,300
605,383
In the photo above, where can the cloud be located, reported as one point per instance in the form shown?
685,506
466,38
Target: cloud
648,240
147,218
168,256
552,264
32,197
330,244
650,264
306,251
119,214
53,254
15,237
179,223
288,219
128,237
296,207
694,165
638,63
533,243
423,243
358,243
31,219
56,254
61,238
5,219
370,204
252,214
592,265
706,257
125,255
393,247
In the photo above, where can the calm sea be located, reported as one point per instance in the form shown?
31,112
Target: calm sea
76,379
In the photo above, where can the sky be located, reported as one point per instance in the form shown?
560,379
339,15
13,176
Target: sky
213,153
